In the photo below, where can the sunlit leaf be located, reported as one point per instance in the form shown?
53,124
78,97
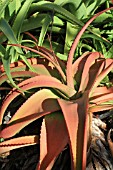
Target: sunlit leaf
53,139
77,126
19,142
43,102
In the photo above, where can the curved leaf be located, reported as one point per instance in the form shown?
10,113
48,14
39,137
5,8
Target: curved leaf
101,107
102,75
3,5
102,90
73,47
46,54
47,81
19,142
6,29
39,104
76,118
53,139
16,74
38,81
20,18
47,21
85,73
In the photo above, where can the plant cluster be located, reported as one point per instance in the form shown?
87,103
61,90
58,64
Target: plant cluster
63,89
65,94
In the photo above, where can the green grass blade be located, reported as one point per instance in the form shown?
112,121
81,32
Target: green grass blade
20,17
6,63
44,5
61,12
45,26
6,29
3,4
31,23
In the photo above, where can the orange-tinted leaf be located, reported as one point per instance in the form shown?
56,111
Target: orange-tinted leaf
74,45
40,65
46,81
76,118
18,143
94,70
102,75
20,63
39,104
86,68
102,90
46,54
16,74
79,62
37,81
98,99
93,108
53,139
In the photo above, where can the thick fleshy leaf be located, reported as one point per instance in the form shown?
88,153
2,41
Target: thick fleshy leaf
41,66
53,139
94,70
21,71
38,81
16,74
7,30
20,17
85,72
102,91
102,107
46,54
39,104
47,21
74,45
76,118
19,142
3,5
101,98
20,63
102,75
46,81
79,63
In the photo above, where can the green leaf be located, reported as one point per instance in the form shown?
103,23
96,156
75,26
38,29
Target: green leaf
47,21
71,33
6,64
31,23
3,4
45,5
20,18
5,27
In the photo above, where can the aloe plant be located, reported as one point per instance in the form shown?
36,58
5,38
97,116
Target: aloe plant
64,94
19,17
